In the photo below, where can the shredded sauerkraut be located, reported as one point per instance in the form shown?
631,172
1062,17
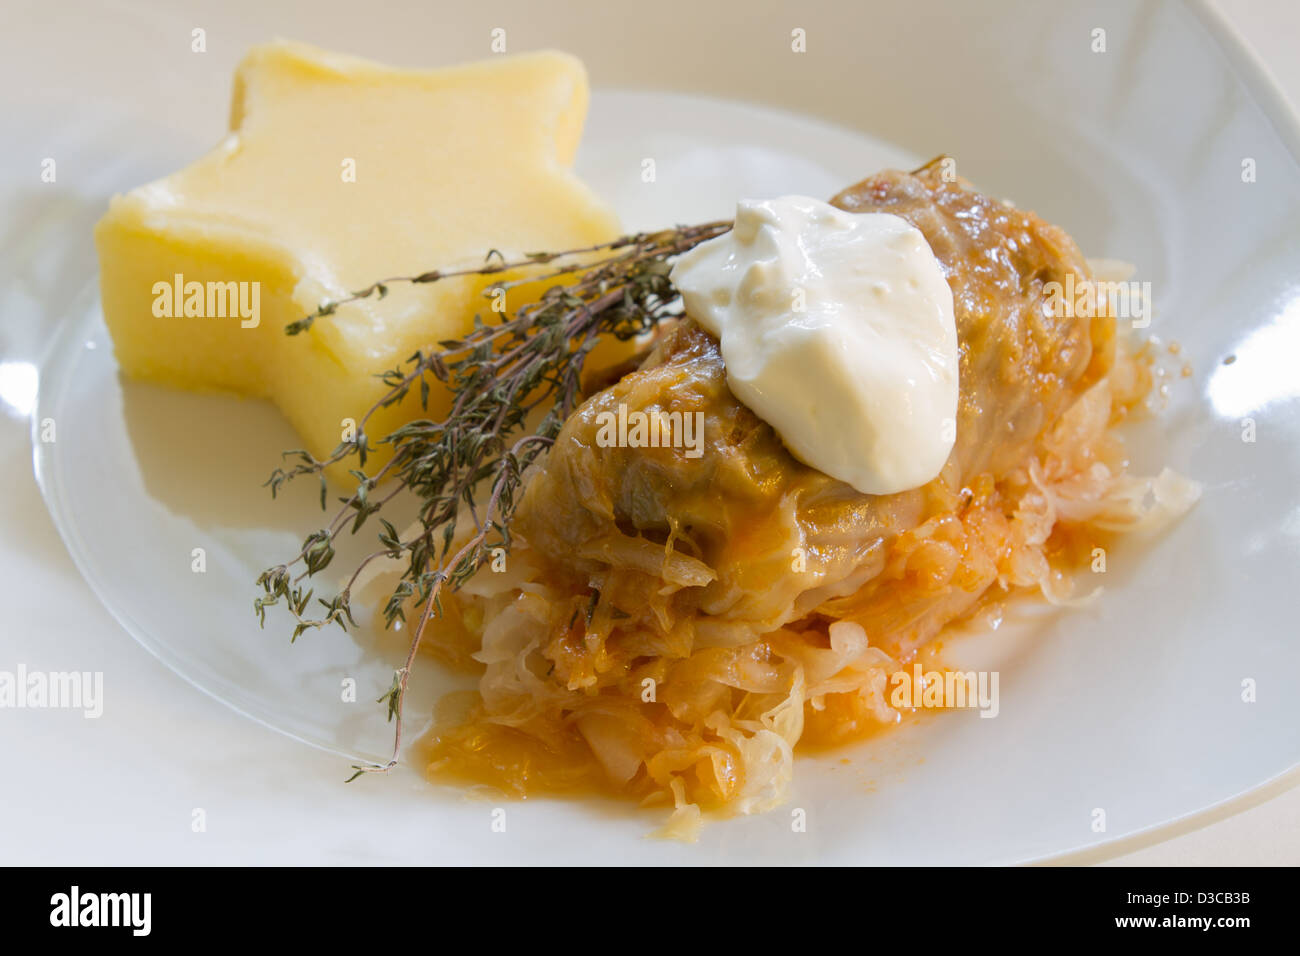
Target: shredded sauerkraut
716,727
650,642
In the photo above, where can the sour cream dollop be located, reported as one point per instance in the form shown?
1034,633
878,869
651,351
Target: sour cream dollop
837,329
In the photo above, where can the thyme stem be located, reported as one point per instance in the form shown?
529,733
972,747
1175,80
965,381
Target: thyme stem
497,374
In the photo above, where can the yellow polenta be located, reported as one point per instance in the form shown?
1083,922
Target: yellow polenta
338,172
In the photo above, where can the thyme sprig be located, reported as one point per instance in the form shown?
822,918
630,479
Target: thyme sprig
501,377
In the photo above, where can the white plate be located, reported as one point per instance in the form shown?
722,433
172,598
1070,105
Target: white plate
1133,706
